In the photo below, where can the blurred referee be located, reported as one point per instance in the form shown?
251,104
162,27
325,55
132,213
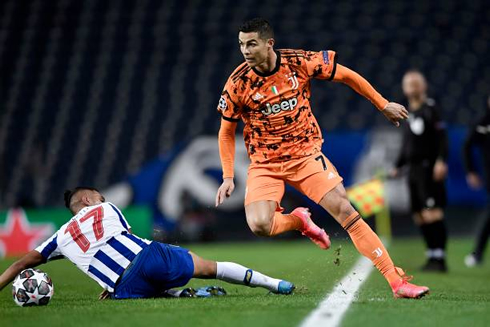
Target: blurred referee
424,152
479,136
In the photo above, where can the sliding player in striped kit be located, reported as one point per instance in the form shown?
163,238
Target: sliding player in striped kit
98,240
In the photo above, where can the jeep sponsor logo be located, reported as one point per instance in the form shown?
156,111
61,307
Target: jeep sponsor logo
285,105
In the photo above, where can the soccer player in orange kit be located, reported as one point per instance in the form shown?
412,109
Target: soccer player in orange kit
270,93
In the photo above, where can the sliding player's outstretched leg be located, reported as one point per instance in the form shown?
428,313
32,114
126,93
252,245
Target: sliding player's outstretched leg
369,244
237,274
264,220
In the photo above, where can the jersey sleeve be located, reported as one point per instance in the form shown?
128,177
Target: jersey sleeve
229,105
321,65
49,249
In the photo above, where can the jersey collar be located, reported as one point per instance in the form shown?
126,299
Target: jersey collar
272,72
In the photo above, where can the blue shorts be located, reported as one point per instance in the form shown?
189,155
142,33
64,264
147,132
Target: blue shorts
156,268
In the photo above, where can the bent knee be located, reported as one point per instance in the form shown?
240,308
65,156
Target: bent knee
260,225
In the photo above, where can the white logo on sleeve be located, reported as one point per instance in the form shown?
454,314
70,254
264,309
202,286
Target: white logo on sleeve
378,252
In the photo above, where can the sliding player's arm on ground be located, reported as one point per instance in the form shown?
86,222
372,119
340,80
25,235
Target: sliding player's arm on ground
230,109
45,252
30,260
394,112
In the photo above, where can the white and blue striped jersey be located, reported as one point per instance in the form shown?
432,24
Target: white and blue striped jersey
98,242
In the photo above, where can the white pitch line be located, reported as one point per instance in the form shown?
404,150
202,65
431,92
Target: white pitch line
331,310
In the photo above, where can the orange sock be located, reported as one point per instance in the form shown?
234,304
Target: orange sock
282,223
369,245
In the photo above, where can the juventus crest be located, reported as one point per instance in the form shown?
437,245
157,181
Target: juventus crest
294,80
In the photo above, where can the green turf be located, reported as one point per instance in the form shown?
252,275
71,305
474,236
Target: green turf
309,267
461,296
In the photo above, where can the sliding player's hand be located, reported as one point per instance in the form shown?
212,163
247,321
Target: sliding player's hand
395,112
104,295
225,190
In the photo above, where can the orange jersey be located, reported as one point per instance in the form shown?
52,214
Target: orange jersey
275,107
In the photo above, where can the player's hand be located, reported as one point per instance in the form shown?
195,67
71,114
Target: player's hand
104,295
225,190
474,181
440,170
395,112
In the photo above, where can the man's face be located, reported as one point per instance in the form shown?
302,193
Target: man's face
253,48
89,197
414,85
101,197
96,198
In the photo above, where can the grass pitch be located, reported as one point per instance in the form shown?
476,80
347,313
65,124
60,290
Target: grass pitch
461,297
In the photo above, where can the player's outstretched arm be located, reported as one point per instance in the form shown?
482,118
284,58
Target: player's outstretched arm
226,140
30,260
394,112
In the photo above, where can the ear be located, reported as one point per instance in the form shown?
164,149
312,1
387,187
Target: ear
86,200
271,42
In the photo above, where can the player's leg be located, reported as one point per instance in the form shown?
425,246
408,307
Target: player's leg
318,179
237,274
165,267
429,198
265,189
435,229
363,237
263,194
266,219
368,243
416,190
476,257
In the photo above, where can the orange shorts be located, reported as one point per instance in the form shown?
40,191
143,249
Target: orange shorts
314,176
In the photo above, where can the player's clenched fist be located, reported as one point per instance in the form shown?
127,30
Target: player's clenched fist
395,112
225,190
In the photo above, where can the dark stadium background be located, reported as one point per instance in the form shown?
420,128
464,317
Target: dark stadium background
122,95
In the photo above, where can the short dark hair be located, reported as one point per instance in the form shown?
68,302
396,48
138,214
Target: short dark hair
70,193
259,25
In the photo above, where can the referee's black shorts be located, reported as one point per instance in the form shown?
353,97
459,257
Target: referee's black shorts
425,193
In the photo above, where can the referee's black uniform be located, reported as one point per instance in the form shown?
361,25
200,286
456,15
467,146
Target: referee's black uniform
479,136
425,142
